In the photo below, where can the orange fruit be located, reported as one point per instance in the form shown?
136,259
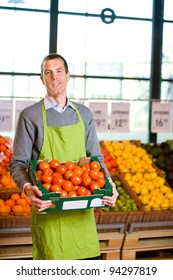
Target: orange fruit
3,148
10,202
5,180
2,202
5,210
27,209
15,196
18,210
2,140
21,201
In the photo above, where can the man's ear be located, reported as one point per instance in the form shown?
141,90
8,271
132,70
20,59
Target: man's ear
68,76
41,79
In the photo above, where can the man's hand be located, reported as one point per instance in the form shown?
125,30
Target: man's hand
110,200
34,193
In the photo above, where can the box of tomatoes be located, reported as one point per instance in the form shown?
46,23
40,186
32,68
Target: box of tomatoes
71,185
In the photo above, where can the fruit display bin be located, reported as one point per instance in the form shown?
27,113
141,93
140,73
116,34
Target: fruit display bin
15,222
127,188
71,203
112,218
6,193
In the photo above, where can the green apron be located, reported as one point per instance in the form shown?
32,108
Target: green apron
69,234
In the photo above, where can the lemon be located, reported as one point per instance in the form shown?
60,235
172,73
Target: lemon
137,189
144,191
156,206
145,200
128,176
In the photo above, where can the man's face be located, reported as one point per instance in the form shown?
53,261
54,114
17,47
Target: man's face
54,77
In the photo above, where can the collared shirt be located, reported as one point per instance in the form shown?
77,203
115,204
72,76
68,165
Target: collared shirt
50,103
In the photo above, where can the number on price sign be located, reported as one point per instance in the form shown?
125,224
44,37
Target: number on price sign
100,114
161,117
120,117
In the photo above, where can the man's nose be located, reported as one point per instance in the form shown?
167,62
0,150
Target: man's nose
54,75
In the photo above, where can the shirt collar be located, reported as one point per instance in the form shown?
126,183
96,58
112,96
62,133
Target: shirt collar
50,103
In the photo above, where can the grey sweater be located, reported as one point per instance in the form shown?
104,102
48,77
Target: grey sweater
28,138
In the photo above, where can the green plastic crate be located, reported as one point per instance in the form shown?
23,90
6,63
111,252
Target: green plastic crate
71,203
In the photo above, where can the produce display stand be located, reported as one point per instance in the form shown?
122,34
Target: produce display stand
15,243
158,236
111,242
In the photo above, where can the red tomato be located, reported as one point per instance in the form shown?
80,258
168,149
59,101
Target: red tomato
113,162
72,194
93,186
108,165
55,174
94,174
42,165
101,174
75,188
63,194
68,174
54,163
95,165
58,179
61,169
55,188
86,166
46,178
88,192
70,165
86,180
107,158
78,170
86,172
47,186
67,186
103,151
76,180
81,191
47,171
101,181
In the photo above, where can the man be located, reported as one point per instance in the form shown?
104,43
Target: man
56,128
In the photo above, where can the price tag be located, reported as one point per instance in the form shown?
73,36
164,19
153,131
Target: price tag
161,113
100,113
6,115
20,105
120,113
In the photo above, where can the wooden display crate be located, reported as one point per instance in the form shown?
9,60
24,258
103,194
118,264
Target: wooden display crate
112,218
110,245
6,193
159,215
147,240
15,222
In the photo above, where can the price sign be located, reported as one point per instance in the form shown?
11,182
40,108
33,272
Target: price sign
6,115
161,113
120,113
20,105
100,113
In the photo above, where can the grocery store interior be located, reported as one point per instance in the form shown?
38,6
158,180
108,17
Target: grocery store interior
120,57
